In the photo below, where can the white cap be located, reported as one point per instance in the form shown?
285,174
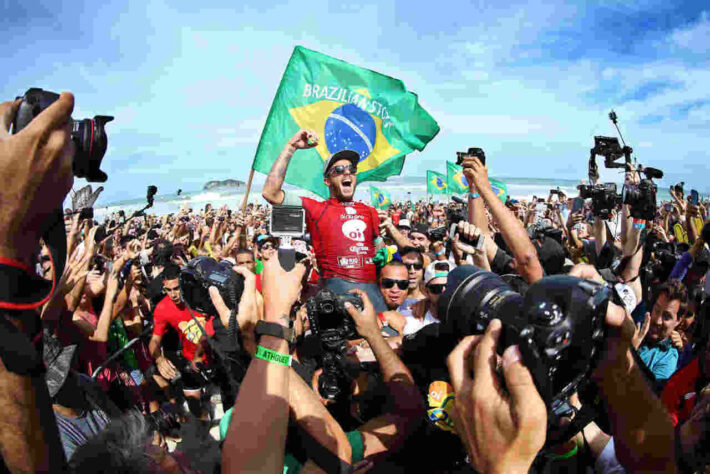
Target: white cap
404,223
437,269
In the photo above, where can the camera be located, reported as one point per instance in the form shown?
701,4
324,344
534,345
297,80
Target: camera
88,135
558,325
665,256
604,198
642,197
678,188
437,235
333,326
454,216
203,272
472,152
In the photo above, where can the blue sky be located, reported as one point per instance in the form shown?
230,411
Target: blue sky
190,83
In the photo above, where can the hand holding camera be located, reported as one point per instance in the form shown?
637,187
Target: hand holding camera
477,174
365,320
503,432
34,161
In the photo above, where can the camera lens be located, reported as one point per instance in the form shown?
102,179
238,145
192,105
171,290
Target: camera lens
474,297
89,137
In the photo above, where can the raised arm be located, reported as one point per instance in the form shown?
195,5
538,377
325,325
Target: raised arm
272,191
385,433
257,432
476,207
514,234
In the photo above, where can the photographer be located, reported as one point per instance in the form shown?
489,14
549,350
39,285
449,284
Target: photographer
36,160
344,233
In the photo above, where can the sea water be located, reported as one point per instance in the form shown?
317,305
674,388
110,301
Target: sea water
400,188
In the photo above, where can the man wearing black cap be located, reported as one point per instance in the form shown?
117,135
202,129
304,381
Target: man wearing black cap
344,233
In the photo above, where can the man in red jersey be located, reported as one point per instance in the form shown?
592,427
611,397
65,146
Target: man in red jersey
344,233
172,311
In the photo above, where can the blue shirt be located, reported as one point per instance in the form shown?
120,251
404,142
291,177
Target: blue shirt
660,358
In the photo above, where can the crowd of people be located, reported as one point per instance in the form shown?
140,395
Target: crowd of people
355,358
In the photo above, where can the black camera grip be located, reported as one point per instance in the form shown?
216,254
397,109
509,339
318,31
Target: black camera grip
287,258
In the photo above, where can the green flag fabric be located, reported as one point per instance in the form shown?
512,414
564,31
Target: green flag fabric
348,107
455,179
435,183
380,199
500,188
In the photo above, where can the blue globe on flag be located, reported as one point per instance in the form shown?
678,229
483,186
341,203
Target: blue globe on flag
350,128
380,198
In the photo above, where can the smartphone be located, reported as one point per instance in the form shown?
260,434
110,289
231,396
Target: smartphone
694,197
667,206
577,205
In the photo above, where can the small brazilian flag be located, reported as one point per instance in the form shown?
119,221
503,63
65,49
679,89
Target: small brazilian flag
435,183
455,178
380,199
348,107
499,188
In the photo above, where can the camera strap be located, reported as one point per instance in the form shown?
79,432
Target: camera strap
220,356
20,287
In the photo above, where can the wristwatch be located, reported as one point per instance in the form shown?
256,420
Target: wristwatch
276,330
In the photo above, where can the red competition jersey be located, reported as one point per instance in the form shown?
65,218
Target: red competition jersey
343,237
679,395
167,313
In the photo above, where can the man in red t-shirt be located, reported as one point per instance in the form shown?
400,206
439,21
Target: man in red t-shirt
344,233
171,311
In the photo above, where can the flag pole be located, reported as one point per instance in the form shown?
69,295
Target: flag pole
246,194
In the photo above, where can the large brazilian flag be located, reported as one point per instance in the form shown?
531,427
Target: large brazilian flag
348,107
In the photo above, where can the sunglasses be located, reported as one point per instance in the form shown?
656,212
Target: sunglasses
340,169
436,288
388,283
45,258
416,266
268,246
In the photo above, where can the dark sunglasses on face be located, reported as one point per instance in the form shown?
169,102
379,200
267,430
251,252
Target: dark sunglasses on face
268,246
388,283
45,258
437,288
340,169
415,265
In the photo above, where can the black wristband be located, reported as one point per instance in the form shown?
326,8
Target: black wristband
275,330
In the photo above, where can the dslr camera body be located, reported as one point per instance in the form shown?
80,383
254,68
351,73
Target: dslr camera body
604,198
88,135
203,272
558,325
333,326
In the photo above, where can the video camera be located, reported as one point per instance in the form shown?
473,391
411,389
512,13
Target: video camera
203,272
604,198
642,197
558,325
333,326
454,216
88,135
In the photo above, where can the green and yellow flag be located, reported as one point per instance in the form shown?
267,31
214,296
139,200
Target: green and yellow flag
348,107
379,198
455,178
435,183
500,188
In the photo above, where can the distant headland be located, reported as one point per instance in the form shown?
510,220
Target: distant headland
227,183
